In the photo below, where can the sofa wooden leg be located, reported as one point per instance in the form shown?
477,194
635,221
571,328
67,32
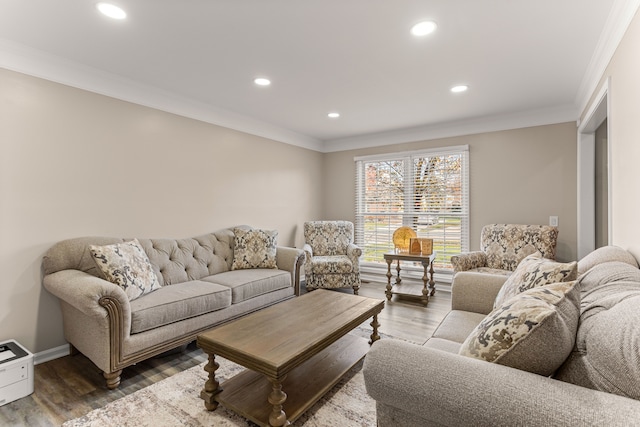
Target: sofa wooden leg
356,288
73,351
113,379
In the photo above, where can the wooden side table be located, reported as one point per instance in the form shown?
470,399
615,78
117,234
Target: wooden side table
423,292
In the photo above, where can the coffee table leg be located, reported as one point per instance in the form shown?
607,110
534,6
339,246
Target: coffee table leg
374,335
277,397
211,386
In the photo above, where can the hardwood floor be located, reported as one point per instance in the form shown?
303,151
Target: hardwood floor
71,386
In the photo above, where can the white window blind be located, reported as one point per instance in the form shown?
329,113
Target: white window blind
425,190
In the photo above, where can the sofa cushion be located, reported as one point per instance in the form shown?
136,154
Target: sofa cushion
332,264
605,280
178,302
246,284
606,355
534,270
489,270
254,249
457,325
328,237
127,265
443,345
609,355
506,245
183,260
605,254
533,331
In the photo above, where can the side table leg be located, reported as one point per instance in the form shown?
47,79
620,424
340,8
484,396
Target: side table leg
398,279
277,397
432,283
388,290
374,335
425,289
211,386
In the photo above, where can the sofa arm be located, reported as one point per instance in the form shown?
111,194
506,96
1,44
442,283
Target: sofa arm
85,293
97,318
475,292
354,252
433,387
308,251
308,254
291,259
468,260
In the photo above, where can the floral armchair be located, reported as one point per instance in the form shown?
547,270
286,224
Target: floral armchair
332,259
503,246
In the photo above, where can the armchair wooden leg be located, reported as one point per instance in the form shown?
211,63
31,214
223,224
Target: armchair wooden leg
113,379
356,288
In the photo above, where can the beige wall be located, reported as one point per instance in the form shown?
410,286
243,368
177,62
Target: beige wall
624,138
75,163
516,176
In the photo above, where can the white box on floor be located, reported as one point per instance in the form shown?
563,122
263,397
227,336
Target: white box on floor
16,372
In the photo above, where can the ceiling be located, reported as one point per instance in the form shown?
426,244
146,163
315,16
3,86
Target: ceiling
526,62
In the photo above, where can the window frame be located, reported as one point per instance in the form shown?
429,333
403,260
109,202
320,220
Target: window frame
408,158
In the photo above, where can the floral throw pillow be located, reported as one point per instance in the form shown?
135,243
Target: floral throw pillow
128,266
532,271
254,249
534,331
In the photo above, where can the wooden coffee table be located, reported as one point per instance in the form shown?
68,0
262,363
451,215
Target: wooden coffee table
295,352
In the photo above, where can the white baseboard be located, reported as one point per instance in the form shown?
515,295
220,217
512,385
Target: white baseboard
375,275
53,353
414,276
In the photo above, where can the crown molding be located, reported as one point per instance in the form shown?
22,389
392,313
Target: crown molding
615,27
36,63
26,60
547,116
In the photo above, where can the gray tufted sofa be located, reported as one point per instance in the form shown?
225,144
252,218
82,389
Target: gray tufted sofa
199,290
597,385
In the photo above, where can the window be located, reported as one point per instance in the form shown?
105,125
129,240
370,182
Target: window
426,190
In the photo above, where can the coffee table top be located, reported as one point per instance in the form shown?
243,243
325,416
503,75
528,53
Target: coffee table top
276,339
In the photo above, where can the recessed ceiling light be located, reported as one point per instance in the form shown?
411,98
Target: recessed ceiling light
261,81
111,11
333,115
423,28
459,88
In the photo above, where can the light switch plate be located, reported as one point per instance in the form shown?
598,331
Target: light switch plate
553,221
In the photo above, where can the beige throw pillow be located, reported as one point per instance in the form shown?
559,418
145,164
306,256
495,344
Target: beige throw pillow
254,249
534,331
532,271
128,266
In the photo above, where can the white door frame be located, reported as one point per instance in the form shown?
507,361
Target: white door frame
597,113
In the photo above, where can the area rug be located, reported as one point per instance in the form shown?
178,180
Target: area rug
175,401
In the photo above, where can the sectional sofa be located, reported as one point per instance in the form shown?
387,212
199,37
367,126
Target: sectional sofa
578,366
